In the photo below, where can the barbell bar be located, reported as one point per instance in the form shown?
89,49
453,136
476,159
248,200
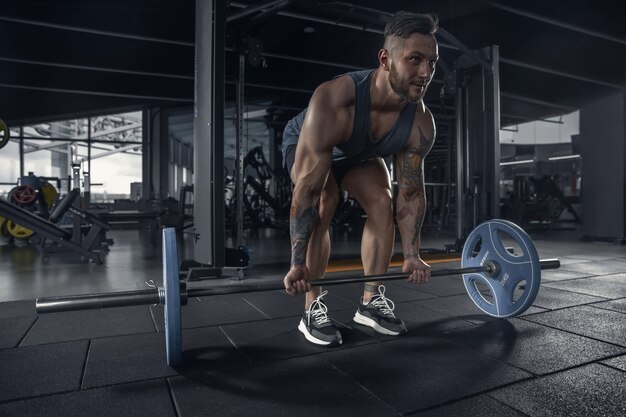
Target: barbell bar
485,260
65,303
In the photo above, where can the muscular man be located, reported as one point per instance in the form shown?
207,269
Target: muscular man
340,140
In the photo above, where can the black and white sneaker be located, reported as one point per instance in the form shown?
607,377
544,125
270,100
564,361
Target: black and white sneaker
317,327
378,314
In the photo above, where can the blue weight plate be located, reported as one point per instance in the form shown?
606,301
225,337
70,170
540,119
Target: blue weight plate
171,284
499,295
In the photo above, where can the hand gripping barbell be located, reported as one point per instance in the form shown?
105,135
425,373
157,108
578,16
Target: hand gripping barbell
492,274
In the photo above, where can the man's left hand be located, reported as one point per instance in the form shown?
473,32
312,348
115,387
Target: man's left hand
419,270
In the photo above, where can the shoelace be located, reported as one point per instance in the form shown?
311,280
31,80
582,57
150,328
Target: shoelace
318,310
383,303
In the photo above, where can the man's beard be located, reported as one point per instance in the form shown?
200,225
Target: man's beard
401,88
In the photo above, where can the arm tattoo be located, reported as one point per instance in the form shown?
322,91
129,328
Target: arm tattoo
411,187
424,141
302,221
411,181
410,168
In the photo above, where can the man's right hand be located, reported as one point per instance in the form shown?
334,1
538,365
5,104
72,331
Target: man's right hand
297,280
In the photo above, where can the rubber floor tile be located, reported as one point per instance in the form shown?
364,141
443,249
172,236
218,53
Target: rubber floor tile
524,345
606,325
472,407
300,387
276,304
39,370
208,349
150,398
280,339
551,275
12,330
607,286
591,390
460,307
12,309
596,267
615,305
116,360
618,362
554,298
602,255
415,373
565,260
212,311
394,290
89,324
439,286
419,321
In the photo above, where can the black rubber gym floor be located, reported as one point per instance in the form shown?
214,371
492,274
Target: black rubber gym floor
243,356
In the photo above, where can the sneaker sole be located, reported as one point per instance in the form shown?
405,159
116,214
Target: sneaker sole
314,339
366,321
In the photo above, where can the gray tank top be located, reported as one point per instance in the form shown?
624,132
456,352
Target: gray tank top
361,146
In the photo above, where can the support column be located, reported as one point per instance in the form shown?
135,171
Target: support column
209,134
146,152
603,190
478,130
158,154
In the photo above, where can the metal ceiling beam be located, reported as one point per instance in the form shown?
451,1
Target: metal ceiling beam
94,31
95,93
291,89
559,73
253,9
360,28
67,140
85,145
528,119
93,68
525,99
112,152
325,63
558,23
47,147
305,60
273,87
313,61
113,130
52,146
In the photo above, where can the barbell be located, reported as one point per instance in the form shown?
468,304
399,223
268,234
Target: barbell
501,282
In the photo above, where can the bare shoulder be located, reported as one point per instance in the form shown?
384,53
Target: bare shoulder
337,93
330,112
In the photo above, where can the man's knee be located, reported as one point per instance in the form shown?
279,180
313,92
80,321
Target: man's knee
381,208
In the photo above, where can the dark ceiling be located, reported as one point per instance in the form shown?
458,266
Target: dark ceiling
80,57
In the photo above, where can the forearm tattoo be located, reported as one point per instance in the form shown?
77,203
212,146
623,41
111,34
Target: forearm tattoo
302,221
411,177
412,199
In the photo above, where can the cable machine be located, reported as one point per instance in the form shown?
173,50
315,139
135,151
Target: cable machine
477,134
